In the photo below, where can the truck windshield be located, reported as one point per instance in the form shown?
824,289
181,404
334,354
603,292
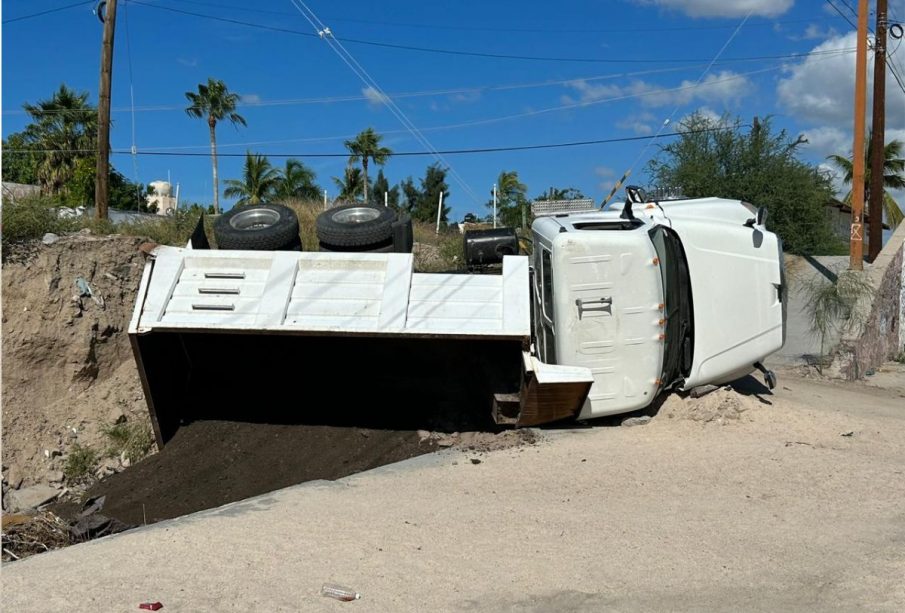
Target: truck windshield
678,347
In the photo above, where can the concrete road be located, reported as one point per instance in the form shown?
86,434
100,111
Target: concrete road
772,509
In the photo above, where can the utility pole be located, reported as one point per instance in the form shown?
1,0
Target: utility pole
101,186
878,137
857,232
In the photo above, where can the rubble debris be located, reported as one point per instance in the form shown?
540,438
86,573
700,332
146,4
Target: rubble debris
639,420
31,497
50,238
339,592
43,532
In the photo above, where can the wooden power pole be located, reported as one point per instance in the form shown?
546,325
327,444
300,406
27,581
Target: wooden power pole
102,182
878,137
857,232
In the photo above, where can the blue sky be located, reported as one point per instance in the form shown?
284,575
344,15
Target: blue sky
668,42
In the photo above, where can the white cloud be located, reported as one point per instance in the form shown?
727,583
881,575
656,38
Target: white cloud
590,92
639,123
250,99
724,88
190,62
815,32
604,171
827,140
608,176
466,97
819,90
374,97
725,8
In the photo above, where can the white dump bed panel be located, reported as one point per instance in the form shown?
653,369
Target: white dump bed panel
368,293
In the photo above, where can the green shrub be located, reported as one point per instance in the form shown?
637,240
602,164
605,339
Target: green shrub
81,464
133,440
31,218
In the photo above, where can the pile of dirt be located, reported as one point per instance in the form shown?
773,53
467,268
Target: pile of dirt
210,463
722,406
482,441
68,369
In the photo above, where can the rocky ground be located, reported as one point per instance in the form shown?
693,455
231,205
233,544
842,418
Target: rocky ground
68,370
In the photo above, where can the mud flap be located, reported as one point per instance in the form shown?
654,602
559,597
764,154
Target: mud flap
550,392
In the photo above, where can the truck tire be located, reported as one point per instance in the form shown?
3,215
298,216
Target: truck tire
257,227
385,248
357,226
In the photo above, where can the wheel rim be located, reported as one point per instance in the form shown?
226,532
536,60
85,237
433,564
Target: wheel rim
358,214
254,219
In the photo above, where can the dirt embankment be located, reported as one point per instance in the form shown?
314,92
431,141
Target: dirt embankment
68,369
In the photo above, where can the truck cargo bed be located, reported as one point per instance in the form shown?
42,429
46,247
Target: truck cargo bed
344,338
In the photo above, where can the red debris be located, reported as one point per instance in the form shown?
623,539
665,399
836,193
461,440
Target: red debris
150,606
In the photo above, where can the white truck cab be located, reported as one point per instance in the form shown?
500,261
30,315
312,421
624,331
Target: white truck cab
651,296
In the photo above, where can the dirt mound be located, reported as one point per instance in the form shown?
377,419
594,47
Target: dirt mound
68,368
482,442
721,406
211,463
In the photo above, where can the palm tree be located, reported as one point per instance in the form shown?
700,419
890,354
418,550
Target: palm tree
350,184
65,128
259,181
215,102
511,198
297,181
364,147
893,177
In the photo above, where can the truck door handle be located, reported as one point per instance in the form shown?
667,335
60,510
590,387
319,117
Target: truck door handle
594,304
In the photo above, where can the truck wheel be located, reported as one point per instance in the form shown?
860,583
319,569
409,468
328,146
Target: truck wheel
385,248
358,226
257,227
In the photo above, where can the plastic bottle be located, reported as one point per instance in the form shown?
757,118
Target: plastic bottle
339,592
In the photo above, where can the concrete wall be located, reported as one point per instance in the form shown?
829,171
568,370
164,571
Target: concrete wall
883,335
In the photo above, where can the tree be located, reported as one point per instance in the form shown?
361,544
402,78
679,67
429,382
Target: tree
123,193
216,103
561,193
20,162
63,129
422,202
259,181
364,147
351,184
715,157
381,187
512,200
893,177
297,181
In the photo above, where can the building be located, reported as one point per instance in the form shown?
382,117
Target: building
161,197
839,215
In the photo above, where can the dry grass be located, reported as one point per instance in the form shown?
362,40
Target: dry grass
38,534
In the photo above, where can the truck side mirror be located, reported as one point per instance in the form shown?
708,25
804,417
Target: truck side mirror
761,215
760,218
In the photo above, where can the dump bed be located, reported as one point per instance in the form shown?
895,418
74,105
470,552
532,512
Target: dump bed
248,335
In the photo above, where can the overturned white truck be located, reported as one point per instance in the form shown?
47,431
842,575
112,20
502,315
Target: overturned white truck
611,309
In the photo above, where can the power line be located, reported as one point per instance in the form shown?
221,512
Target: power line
359,70
48,11
697,83
345,154
890,63
469,28
413,94
491,120
843,15
435,50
